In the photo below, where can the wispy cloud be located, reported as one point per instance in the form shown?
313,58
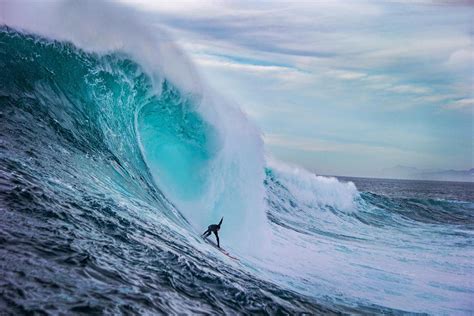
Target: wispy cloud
462,104
346,75
405,88
323,146
268,69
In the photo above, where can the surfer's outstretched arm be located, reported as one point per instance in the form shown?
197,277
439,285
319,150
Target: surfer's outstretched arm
217,237
206,233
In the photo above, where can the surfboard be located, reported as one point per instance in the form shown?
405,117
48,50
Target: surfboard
212,243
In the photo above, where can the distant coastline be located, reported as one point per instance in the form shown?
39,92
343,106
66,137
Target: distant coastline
414,174
395,179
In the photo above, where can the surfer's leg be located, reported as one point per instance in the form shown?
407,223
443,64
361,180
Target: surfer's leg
206,234
217,237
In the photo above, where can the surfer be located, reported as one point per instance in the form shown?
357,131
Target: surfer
214,228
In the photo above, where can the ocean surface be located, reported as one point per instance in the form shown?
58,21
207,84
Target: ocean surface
111,168
436,190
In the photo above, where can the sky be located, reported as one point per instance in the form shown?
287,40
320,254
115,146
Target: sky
339,87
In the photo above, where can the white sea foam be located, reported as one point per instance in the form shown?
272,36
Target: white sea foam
312,189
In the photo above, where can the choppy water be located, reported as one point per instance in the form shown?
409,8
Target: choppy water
108,176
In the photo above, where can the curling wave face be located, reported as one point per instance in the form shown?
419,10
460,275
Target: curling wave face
109,171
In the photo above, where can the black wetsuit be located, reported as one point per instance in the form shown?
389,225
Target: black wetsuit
214,228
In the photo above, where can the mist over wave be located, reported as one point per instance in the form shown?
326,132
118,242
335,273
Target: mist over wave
116,156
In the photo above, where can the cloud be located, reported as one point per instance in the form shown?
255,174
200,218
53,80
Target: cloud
462,104
251,68
378,82
312,145
462,59
287,77
346,75
409,89
318,145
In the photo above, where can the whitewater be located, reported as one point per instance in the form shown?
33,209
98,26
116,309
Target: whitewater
115,156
